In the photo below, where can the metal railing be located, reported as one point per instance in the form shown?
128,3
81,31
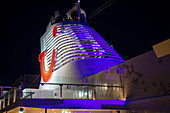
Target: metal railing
62,91
9,97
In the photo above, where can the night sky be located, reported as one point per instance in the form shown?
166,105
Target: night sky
131,26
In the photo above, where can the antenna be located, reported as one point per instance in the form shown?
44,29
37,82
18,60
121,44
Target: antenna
78,5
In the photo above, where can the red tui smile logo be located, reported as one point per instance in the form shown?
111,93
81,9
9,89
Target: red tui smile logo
54,31
46,75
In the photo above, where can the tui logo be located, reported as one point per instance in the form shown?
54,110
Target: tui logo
46,74
54,31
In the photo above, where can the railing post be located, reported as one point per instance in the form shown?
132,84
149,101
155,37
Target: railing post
87,92
8,98
20,92
4,102
31,94
0,104
1,92
15,91
93,93
121,82
21,89
61,95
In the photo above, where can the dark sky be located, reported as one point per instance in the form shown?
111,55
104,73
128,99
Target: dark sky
132,26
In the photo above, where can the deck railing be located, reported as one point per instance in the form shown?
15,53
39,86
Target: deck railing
62,91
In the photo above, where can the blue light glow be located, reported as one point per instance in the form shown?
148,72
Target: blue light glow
70,103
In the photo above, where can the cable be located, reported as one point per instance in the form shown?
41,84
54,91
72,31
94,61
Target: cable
101,7
99,10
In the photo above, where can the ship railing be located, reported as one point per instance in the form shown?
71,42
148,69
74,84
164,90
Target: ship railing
63,91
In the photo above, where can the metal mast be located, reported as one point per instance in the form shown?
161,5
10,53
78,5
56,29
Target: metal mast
78,9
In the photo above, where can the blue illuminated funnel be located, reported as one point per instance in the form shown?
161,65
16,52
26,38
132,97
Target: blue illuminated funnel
80,50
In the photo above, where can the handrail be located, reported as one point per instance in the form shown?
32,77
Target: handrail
30,94
8,87
76,84
92,92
